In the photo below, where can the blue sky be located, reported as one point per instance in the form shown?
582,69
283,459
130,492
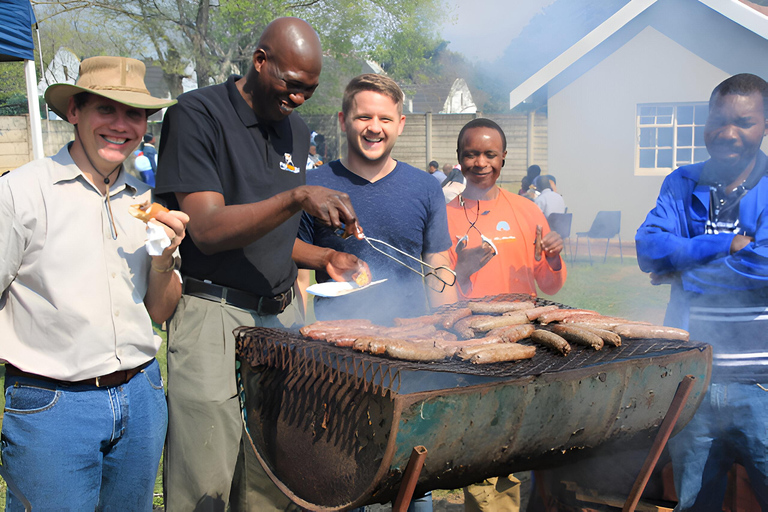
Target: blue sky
481,29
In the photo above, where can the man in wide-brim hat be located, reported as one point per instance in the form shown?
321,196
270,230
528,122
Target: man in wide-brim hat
85,416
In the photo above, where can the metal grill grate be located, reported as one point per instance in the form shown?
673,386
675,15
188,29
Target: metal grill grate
285,349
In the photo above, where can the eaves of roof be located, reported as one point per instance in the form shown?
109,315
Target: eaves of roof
732,9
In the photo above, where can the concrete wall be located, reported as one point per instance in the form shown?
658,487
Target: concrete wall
592,126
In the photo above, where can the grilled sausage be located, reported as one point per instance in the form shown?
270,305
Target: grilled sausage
579,336
651,331
411,351
407,331
419,320
491,308
600,321
463,329
551,340
503,352
535,313
482,323
512,333
609,337
146,211
336,325
467,348
451,317
559,315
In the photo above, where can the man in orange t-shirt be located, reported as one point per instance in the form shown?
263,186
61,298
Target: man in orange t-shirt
494,230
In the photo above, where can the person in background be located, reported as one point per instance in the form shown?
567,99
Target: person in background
148,148
434,170
453,183
708,238
231,156
525,185
397,203
528,188
143,166
494,233
548,200
313,160
85,413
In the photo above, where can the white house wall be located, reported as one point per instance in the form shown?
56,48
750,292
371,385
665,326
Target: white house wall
592,125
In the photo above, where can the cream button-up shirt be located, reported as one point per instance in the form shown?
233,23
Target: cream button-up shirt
72,303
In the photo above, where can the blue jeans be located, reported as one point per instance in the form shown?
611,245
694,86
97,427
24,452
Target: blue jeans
731,425
420,504
78,447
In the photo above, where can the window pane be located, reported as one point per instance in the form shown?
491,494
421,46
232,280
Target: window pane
698,138
647,111
700,154
701,113
665,158
683,156
684,136
685,115
647,158
647,137
666,111
647,120
665,120
665,138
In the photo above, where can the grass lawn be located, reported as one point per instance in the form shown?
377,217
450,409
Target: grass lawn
612,288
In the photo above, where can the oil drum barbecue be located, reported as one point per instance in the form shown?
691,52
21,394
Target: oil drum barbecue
335,428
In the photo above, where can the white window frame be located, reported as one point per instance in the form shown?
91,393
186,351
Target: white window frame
663,171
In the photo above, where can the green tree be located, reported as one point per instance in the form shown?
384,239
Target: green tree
220,37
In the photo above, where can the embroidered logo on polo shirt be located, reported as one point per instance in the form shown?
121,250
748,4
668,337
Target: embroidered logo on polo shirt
287,164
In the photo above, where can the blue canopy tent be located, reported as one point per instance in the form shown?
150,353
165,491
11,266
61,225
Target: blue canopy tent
16,43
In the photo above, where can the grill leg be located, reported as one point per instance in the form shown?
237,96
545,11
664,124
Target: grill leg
665,430
411,476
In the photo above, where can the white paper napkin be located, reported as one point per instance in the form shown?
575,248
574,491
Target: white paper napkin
157,239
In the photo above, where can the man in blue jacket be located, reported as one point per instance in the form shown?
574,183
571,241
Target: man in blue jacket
708,238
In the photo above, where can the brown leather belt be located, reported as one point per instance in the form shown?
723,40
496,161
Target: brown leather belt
113,379
263,306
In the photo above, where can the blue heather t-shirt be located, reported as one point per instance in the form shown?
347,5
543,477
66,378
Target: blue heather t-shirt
406,209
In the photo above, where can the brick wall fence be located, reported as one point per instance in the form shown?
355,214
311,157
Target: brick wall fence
426,137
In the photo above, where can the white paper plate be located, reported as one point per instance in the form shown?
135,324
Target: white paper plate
337,289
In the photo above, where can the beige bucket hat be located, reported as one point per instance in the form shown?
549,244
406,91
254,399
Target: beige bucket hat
117,78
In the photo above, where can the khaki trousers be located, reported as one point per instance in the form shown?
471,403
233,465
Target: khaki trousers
209,463
497,494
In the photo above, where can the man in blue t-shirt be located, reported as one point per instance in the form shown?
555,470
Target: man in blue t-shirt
397,203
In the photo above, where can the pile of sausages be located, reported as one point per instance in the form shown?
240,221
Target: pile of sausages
486,332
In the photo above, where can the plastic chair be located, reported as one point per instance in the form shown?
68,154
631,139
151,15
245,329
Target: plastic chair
606,225
561,224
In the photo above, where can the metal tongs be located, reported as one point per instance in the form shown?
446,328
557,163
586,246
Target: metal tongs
448,277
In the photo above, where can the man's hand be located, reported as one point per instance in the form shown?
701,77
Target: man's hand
469,261
175,223
330,207
739,242
552,246
343,266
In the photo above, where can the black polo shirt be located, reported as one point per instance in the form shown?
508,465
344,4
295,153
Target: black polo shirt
212,141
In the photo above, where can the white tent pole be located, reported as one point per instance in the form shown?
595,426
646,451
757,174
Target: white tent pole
34,109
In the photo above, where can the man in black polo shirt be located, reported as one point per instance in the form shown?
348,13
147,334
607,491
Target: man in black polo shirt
233,157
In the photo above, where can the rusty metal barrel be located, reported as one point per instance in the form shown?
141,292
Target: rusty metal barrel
334,429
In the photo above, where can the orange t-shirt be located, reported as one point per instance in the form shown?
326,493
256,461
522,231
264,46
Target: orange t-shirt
510,222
